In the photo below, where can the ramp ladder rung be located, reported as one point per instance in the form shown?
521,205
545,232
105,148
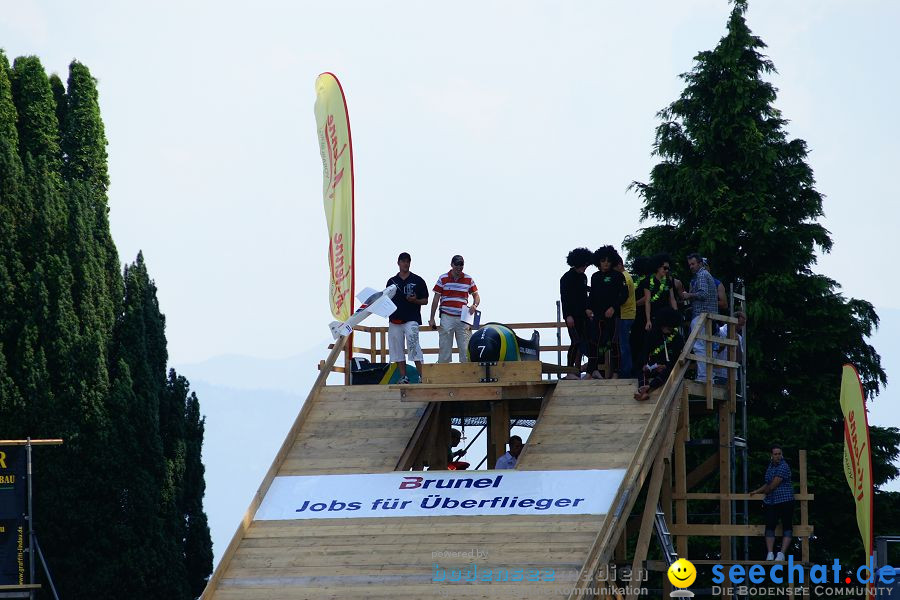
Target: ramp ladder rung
664,536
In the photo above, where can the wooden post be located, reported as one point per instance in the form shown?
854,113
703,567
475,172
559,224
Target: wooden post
383,348
725,441
621,553
348,360
372,345
498,431
441,438
681,436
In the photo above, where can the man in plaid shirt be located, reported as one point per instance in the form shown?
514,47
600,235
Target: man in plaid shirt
779,502
704,299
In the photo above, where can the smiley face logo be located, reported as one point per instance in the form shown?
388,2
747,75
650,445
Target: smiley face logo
682,573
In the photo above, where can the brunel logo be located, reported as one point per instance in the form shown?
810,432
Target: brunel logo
414,483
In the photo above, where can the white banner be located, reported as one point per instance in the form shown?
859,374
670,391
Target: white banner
441,493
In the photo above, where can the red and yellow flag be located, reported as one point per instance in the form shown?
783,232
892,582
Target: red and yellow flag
333,126
858,452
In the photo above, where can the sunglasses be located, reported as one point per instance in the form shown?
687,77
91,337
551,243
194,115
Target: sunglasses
665,268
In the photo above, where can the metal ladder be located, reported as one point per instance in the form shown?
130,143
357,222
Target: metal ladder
664,536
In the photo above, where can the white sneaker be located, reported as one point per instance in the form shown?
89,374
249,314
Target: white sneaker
779,556
770,556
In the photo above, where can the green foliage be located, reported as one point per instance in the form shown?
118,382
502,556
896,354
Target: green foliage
83,357
733,186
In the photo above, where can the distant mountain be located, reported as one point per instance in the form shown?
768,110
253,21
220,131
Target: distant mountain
249,404
294,374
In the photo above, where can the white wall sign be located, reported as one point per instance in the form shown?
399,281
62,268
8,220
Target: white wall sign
441,493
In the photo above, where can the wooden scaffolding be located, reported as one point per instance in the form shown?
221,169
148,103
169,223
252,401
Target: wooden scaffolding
345,429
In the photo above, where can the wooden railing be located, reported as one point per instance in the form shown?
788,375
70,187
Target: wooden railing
371,343
377,348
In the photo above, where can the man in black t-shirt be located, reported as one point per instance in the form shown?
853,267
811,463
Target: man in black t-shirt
412,294
608,292
573,291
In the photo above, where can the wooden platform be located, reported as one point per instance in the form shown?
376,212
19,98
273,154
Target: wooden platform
365,429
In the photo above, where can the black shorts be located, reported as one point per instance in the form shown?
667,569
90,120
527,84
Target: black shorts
783,511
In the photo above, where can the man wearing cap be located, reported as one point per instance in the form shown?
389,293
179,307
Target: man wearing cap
403,326
451,293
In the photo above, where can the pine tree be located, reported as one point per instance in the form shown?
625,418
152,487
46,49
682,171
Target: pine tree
734,187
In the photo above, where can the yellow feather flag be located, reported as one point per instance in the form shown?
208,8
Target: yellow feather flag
333,126
857,452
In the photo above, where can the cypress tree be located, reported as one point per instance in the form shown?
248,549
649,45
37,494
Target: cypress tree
733,186
198,549
50,326
83,356
139,348
188,469
12,271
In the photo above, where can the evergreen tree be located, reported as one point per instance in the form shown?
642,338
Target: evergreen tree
83,357
183,438
12,271
734,187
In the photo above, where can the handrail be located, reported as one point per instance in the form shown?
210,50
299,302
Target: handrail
651,440
377,348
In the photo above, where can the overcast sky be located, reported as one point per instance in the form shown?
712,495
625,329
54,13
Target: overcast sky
504,131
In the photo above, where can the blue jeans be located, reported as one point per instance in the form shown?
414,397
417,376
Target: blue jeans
625,366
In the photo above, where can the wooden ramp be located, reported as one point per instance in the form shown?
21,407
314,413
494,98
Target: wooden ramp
365,429
588,425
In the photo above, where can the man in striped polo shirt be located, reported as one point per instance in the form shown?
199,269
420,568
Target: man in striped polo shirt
451,293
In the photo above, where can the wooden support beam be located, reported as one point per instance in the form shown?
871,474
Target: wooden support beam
411,454
717,530
706,468
441,438
681,436
725,442
557,369
735,496
470,372
498,431
711,362
666,492
472,392
652,498
697,389
718,340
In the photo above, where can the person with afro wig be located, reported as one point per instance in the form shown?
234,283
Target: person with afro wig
573,292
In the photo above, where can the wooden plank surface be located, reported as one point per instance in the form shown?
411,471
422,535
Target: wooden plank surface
359,429
471,372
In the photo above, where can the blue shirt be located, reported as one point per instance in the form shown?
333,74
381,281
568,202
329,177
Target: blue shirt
785,490
707,299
